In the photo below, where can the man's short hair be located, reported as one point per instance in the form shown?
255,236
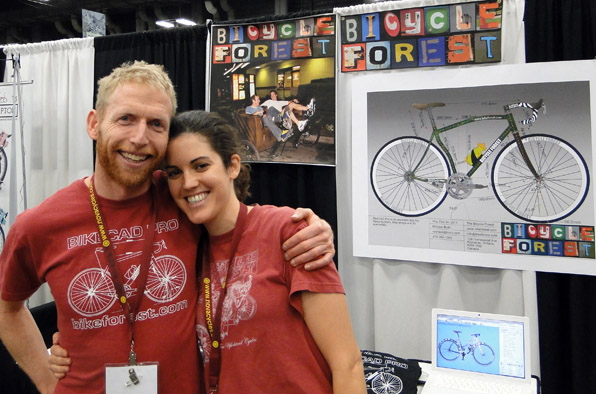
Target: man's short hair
153,75
253,97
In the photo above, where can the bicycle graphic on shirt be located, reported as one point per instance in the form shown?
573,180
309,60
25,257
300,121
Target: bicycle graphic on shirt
382,381
450,349
92,291
536,177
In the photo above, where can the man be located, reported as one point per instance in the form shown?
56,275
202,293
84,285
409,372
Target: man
255,109
282,112
115,233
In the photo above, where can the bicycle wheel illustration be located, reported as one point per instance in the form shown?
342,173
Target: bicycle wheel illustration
386,383
396,185
3,165
166,278
448,349
483,354
91,292
247,309
561,189
2,238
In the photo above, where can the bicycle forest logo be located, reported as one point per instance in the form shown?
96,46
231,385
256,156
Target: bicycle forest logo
464,33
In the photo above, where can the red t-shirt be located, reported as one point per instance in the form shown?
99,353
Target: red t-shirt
58,242
266,346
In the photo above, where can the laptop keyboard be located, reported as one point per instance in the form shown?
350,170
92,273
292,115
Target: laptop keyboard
476,385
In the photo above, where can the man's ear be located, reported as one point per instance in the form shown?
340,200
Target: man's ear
234,167
92,124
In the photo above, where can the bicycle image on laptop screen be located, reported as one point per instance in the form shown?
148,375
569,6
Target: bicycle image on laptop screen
535,176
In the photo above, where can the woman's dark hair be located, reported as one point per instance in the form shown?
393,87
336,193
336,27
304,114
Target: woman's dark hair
222,137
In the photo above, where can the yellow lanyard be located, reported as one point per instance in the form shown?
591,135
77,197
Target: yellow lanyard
128,309
213,320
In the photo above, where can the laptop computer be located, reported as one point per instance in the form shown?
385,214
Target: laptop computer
479,353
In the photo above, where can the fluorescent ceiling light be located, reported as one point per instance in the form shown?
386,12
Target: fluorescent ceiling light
184,21
164,24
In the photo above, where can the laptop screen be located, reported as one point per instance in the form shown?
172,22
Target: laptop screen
478,343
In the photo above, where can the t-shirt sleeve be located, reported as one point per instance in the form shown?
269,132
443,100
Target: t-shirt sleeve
18,276
323,280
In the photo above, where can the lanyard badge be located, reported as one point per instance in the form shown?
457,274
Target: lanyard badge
133,377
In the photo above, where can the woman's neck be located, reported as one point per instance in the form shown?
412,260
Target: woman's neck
226,220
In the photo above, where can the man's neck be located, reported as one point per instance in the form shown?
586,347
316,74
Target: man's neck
108,188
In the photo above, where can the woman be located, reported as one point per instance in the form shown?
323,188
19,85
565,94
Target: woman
280,329
264,326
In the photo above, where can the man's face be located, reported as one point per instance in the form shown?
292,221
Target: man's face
273,96
132,133
256,101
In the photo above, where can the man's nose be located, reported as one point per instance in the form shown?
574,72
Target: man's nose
139,134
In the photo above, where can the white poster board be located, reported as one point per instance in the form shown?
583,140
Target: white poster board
412,201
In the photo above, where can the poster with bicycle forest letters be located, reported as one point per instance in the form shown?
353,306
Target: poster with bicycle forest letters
488,166
275,82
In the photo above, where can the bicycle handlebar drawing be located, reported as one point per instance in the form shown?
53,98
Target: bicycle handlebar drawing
537,177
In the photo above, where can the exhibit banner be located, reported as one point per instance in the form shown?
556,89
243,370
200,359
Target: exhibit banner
275,81
10,157
437,35
488,166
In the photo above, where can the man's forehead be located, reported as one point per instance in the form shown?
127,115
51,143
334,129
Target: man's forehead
127,98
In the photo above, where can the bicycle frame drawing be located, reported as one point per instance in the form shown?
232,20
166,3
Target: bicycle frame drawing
536,177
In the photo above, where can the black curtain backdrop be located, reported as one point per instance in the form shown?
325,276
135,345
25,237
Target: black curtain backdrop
181,51
559,30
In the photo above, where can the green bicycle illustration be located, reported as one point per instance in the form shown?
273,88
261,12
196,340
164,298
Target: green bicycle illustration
536,177
450,349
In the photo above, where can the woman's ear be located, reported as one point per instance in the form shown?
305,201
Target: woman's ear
234,167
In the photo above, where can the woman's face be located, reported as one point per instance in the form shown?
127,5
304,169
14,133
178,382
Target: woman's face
200,184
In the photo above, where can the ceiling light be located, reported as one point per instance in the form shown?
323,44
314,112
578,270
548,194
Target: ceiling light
185,22
164,24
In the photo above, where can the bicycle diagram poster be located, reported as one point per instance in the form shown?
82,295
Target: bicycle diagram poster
488,166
